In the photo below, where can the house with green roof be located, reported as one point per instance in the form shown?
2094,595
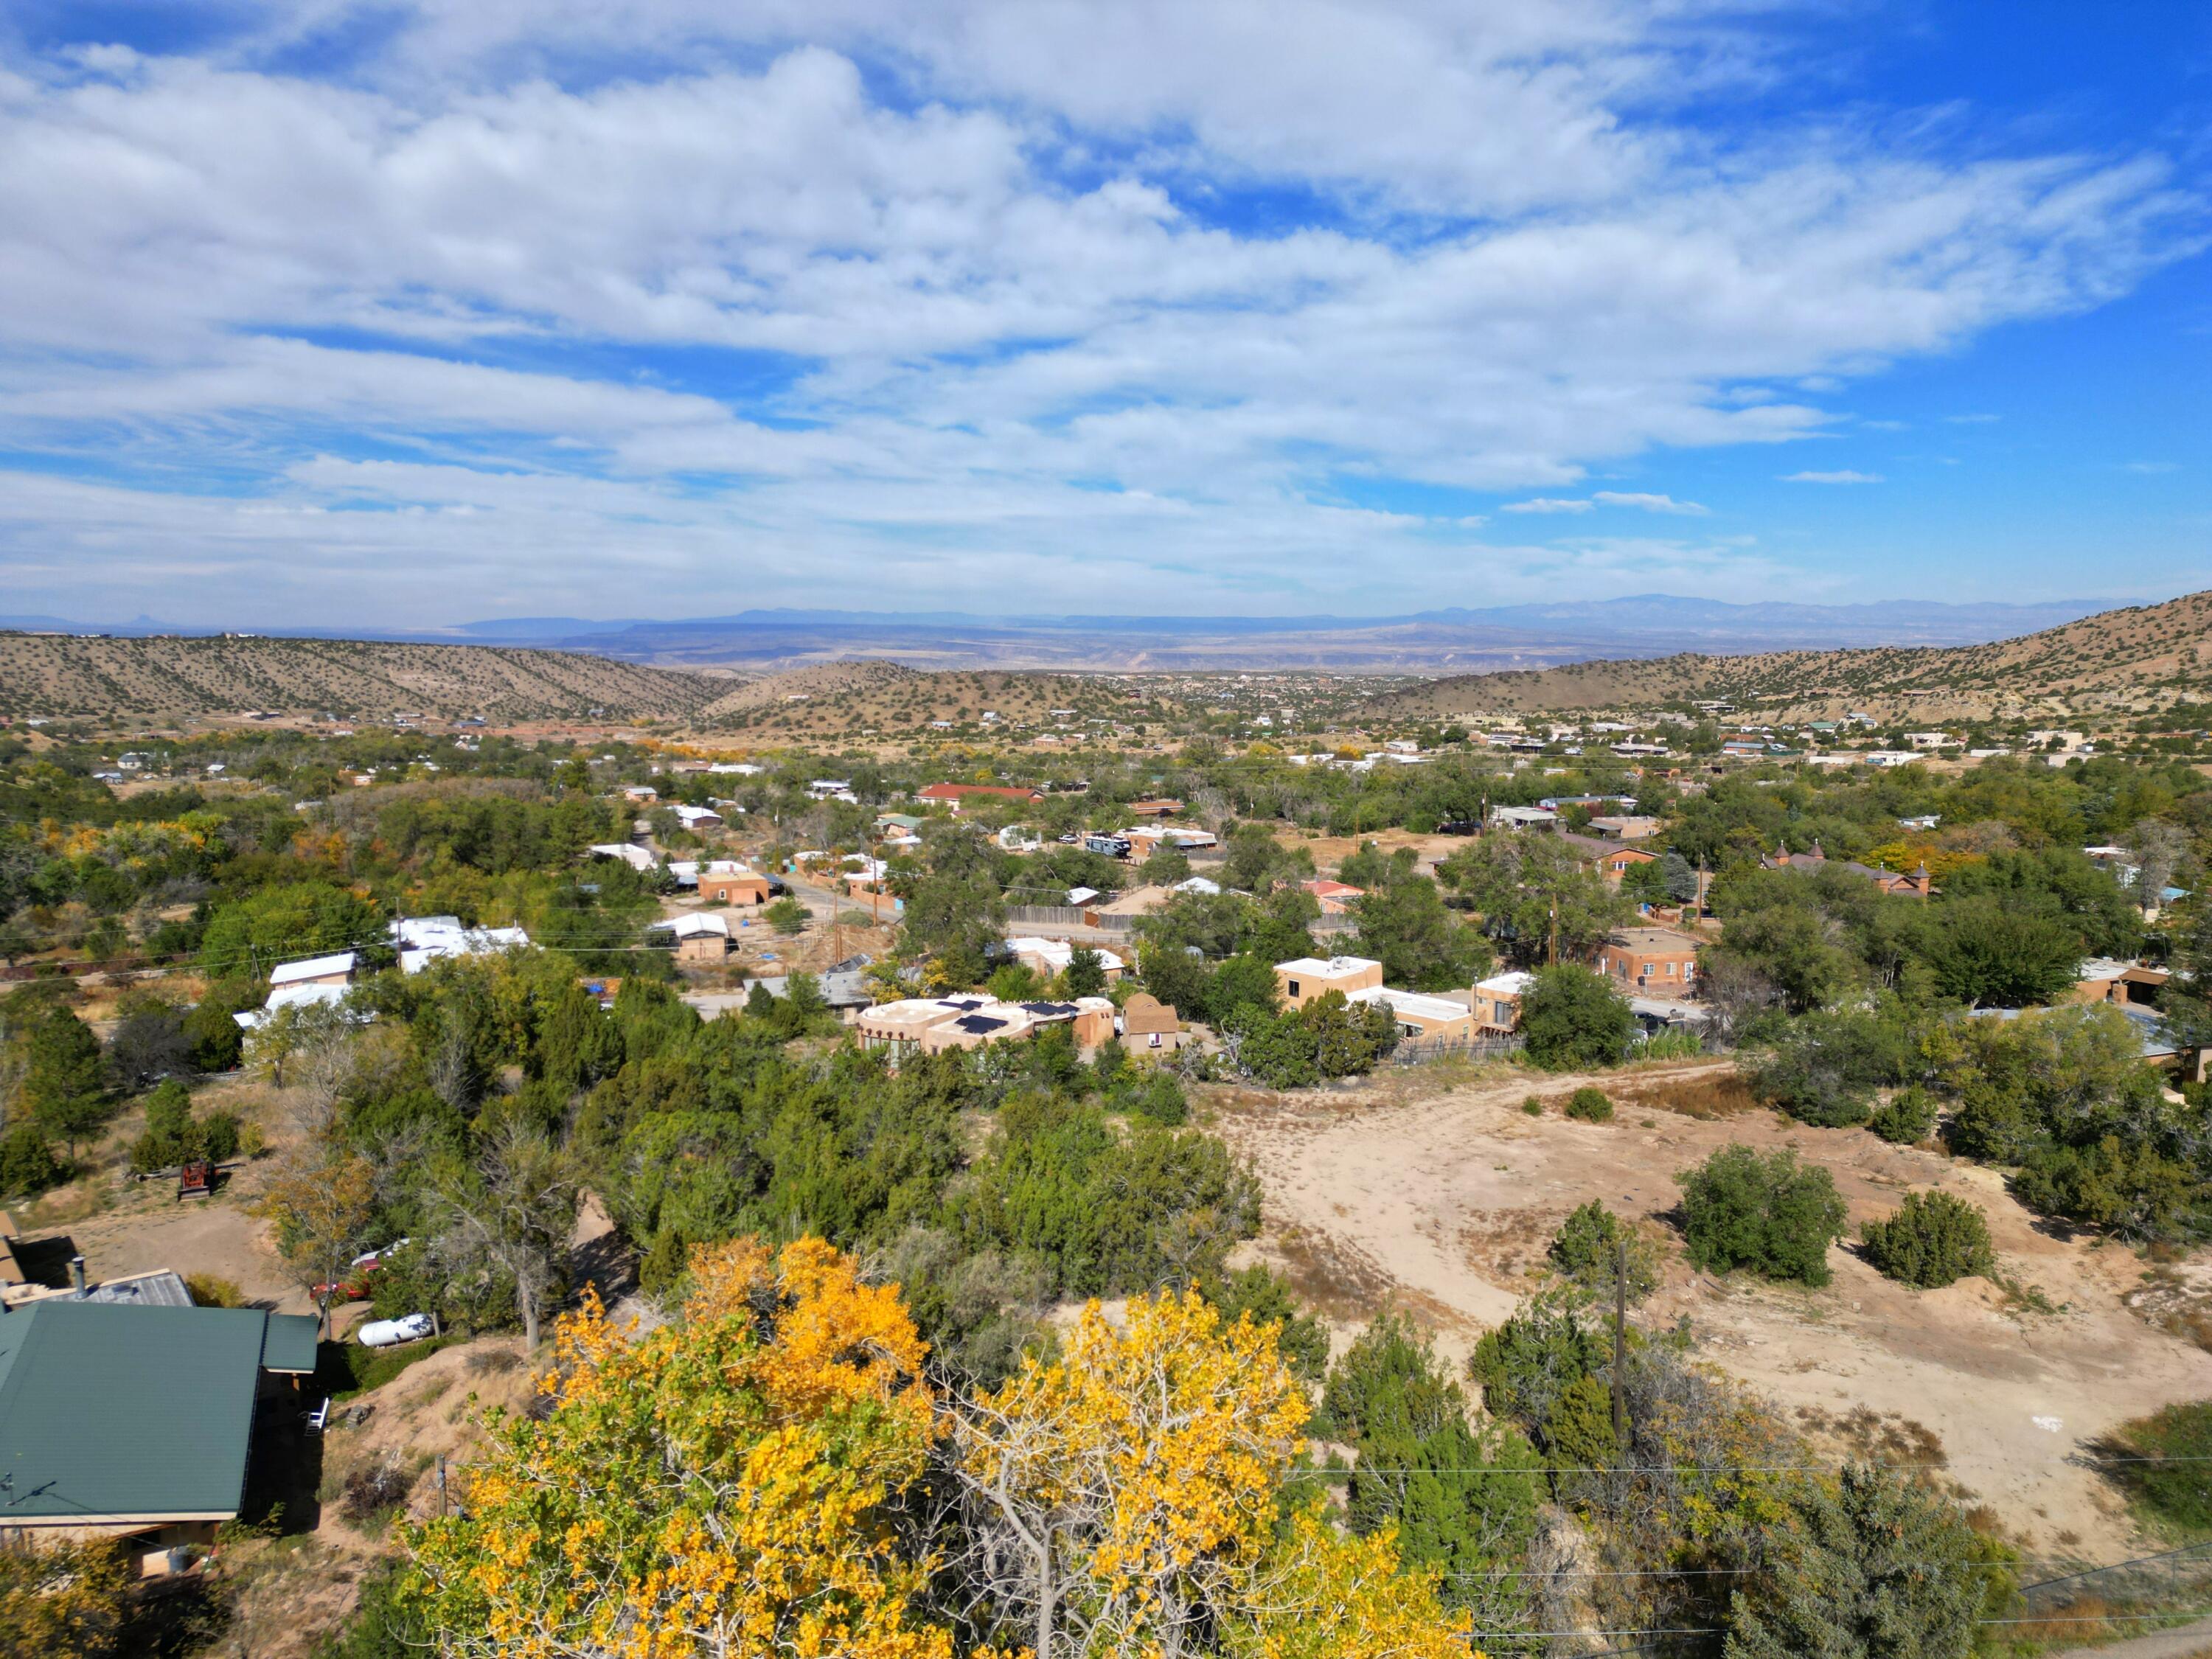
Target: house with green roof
136,1422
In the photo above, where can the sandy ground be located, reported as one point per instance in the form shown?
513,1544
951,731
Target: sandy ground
1442,1200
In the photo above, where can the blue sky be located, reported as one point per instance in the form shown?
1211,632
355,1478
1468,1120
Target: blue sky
408,313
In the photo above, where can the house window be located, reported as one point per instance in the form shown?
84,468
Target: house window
1294,988
1670,970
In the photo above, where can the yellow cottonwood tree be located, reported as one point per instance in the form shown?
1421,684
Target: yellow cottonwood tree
711,1490
1126,1501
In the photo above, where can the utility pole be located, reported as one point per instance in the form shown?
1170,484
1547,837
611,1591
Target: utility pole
1552,958
1620,1341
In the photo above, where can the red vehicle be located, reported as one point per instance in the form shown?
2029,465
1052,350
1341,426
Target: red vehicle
354,1287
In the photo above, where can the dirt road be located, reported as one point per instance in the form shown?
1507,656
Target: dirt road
1445,1202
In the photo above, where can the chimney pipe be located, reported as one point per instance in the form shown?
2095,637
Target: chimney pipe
76,1274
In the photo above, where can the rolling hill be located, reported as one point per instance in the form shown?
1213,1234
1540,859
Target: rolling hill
2140,656
844,698
171,678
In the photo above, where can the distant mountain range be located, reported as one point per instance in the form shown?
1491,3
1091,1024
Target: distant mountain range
1459,639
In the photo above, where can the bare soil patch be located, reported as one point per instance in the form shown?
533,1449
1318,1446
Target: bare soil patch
1441,1202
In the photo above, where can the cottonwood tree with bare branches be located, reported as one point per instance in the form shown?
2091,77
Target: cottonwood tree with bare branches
513,1206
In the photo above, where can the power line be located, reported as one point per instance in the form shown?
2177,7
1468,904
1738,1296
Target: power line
1730,1468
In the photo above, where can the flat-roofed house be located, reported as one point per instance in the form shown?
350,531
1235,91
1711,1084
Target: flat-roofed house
699,936
1496,1003
1417,1013
930,1025
2109,979
727,882
1651,960
1048,956
1303,979
336,969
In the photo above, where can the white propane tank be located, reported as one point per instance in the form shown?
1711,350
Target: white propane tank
383,1333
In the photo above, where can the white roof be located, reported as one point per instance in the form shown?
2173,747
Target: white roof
1058,952
291,996
1198,884
424,940
636,857
1333,967
1411,1002
1506,985
314,968
1081,895
690,926
694,814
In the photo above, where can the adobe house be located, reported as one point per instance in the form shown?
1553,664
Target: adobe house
2108,979
135,1423
1307,977
1149,1024
699,938
1496,1003
732,883
1651,959
1418,1014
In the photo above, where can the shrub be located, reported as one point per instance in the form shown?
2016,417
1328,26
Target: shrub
786,915
372,1368
1533,1106
2174,1492
28,1163
209,1292
1587,1249
1906,1120
1581,1430
372,1491
1768,1214
1824,1067
1301,1339
1933,1240
1526,1364
1591,1105
1572,1017
1874,1540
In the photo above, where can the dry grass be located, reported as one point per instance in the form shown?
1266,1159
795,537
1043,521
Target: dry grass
1707,1096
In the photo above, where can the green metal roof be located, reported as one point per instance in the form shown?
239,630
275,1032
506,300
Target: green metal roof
115,1412
291,1344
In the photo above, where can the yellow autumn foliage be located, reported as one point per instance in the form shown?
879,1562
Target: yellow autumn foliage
1140,1481
711,1489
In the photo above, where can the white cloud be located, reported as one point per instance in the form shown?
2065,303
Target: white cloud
1831,477
955,301
1650,503
2150,467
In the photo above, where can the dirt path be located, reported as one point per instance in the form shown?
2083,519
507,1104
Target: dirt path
1445,1201
2190,1642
